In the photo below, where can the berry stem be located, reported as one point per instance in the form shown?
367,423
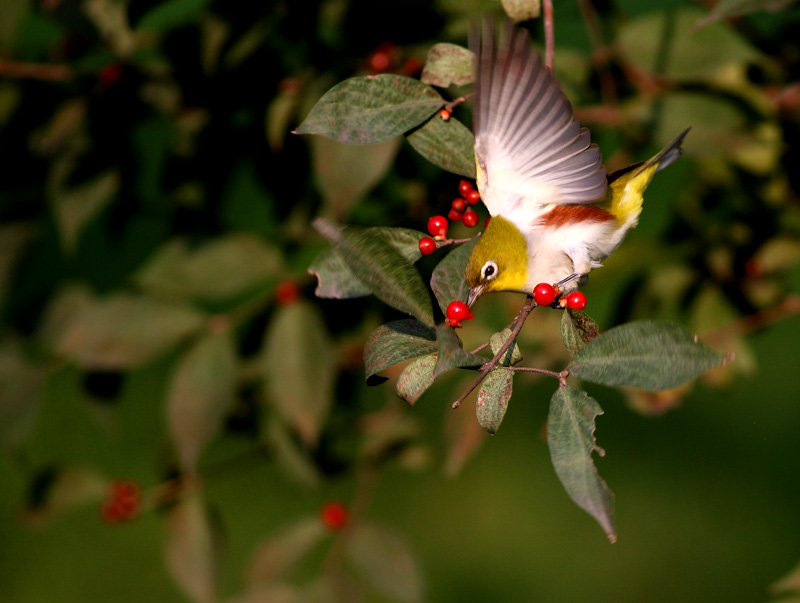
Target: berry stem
494,362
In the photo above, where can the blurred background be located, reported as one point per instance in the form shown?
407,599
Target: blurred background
182,419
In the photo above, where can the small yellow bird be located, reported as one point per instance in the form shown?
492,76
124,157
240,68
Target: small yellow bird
556,214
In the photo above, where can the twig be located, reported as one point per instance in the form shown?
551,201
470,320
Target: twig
494,362
600,52
36,71
455,102
549,35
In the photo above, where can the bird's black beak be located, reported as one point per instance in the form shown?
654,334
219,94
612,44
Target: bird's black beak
474,294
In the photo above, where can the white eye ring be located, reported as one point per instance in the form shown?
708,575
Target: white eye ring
489,271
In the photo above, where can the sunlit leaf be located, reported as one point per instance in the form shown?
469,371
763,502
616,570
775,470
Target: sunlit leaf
71,487
200,394
172,13
577,329
513,355
385,560
789,584
416,378
123,331
345,173
451,354
448,64
447,144
650,355
448,280
727,9
192,548
570,436
371,109
281,554
493,397
300,368
522,10
225,267
397,341
336,280
378,265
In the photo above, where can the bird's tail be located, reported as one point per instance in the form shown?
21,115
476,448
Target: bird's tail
627,186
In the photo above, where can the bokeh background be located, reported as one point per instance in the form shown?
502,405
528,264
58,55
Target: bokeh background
160,328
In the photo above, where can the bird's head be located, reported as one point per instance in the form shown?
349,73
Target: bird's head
499,261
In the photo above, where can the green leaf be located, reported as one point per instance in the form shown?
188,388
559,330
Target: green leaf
219,270
21,382
397,341
345,173
570,436
513,355
281,554
447,144
650,355
640,40
337,281
577,329
290,455
76,206
448,281
416,378
451,354
172,14
522,10
123,331
385,560
371,109
193,548
200,395
300,368
448,64
726,9
493,397
378,265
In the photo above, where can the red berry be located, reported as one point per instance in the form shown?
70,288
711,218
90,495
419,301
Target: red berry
444,114
458,204
110,74
427,245
437,226
454,216
576,300
456,312
470,218
464,187
287,293
544,294
486,223
473,197
112,512
334,515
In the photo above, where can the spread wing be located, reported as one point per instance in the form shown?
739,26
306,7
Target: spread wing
530,150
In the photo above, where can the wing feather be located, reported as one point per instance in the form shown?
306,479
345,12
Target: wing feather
528,144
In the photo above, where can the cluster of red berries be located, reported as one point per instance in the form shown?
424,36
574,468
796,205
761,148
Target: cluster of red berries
123,503
387,57
334,516
458,311
459,211
545,294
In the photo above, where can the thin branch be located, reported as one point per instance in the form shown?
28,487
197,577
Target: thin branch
600,52
549,35
494,362
531,369
47,72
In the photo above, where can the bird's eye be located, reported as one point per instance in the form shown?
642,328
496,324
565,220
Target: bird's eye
489,271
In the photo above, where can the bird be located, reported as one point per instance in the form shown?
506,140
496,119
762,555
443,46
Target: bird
556,213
